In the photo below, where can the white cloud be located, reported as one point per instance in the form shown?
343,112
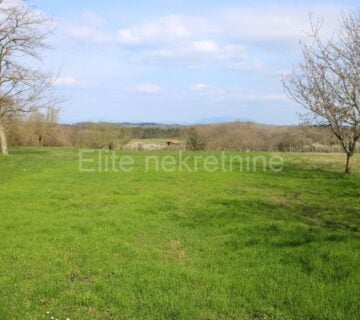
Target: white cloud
274,23
147,88
90,28
204,54
165,29
199,86
66,81
223,41
206,46
180,49
12,3
246,23
88,34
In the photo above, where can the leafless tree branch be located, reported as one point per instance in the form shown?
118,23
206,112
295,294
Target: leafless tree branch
23,89
327,81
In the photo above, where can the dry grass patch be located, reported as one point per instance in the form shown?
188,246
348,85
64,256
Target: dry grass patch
175,251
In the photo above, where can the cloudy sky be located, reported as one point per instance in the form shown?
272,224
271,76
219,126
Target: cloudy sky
179,61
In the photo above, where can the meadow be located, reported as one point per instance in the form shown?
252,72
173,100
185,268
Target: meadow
178,245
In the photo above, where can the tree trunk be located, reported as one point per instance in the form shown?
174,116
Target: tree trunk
3,141
41,143
348,163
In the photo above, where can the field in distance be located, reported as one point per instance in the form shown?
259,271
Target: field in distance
178,245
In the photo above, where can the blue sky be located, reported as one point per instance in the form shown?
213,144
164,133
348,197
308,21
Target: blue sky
179,61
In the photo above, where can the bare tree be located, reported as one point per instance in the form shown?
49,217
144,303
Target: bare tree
44,124
195,140
327,82
23,34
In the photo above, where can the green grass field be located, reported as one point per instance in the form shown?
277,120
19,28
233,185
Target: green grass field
178,245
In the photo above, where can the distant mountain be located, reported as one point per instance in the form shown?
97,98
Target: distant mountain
131,124
212,120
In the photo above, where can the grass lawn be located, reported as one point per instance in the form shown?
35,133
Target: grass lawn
178,245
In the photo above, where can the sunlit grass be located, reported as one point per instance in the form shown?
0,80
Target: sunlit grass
250,245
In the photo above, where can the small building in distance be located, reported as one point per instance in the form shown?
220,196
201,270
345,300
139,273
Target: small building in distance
172,143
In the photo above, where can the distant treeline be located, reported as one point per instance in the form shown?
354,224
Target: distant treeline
43,130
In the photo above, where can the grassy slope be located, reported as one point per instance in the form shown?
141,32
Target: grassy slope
178,245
